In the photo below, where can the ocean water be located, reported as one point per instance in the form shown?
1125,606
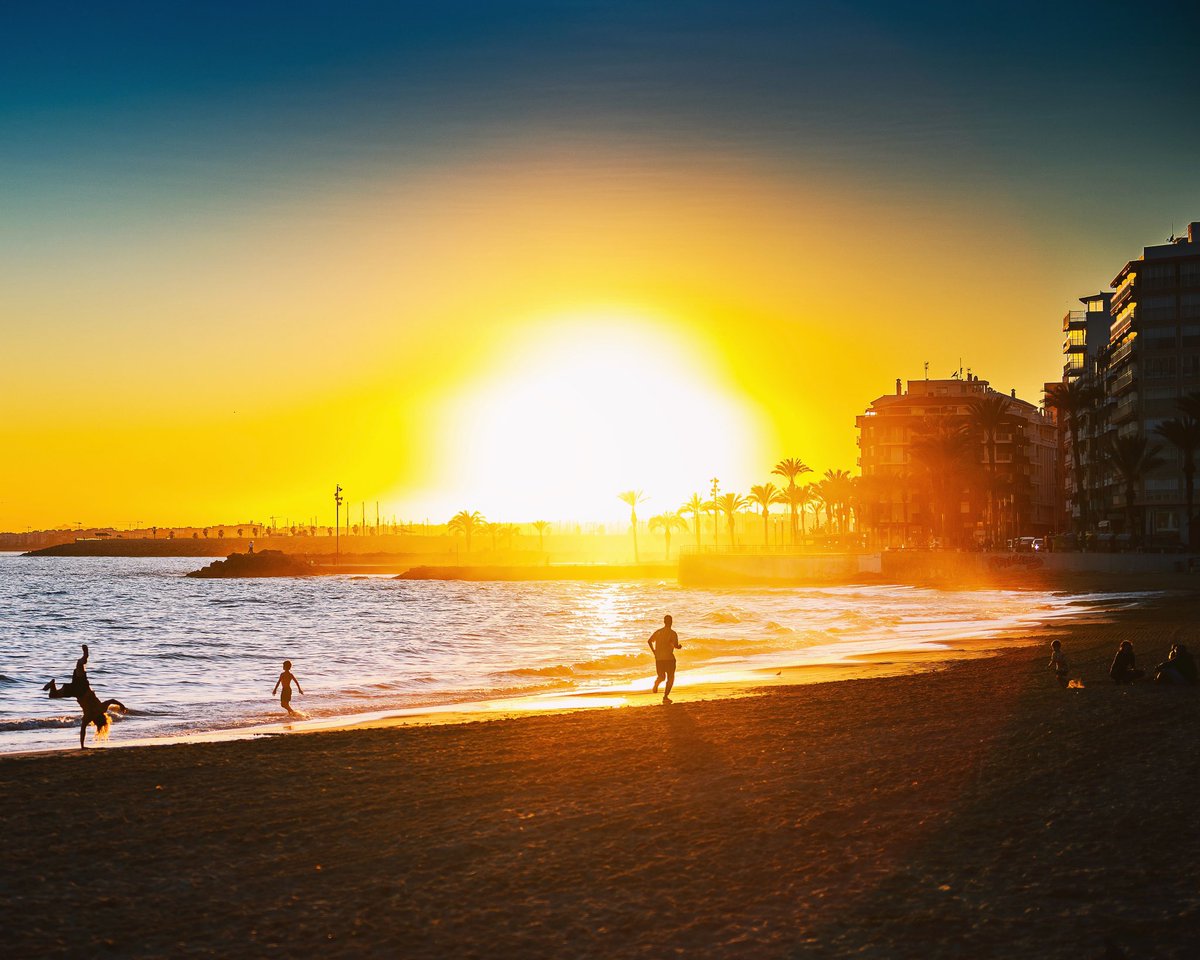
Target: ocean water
191,656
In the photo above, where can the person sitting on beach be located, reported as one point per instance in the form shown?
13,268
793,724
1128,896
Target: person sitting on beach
287,679
1059,662
94,710
664,642
1124,667
1178,668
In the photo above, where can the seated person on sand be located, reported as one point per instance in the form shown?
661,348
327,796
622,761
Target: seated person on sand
1124,667
1178,668
94,711
287,679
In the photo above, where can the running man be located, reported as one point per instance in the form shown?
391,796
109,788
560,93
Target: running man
287,678
664,642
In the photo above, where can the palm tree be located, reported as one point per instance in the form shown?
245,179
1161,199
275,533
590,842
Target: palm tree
541,526
729,504
791,468
837,484
1133,458
1184,434
987,414
466,522
695,506
666,522
947,453
763,495
801,498
633,498
1073,401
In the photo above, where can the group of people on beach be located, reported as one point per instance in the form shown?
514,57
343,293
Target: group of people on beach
663,643
95,711
1179,669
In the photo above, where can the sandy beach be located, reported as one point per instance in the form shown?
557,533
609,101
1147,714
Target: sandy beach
975,811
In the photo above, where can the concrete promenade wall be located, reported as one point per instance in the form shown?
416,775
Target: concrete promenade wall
1111,571
717,569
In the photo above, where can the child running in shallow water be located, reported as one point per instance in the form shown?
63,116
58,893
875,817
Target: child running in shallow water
286,679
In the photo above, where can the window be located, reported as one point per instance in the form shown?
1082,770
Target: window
1165,521
1189,307
1189,273
1157,309
1159,368
1158,275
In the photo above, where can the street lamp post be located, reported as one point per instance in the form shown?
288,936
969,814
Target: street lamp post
337,520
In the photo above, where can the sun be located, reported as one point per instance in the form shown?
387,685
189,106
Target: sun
578,409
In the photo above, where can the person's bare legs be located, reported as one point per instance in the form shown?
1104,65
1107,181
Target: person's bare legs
670,683
662,675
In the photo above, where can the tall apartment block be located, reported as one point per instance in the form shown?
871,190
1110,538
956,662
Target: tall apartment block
1152,359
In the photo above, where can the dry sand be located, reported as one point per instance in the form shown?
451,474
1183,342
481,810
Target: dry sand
975,812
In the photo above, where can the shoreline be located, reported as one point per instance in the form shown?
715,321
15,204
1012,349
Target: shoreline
693,684
977,810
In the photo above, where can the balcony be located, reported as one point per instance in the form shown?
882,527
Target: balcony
1125,409
1121,352
1075,320
1124,291
1123,381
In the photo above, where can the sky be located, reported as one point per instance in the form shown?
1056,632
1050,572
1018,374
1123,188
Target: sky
520,257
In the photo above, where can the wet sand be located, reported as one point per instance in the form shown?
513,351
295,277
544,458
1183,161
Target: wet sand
977,811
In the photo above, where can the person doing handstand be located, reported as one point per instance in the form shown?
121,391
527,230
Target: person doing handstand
94,710
664,642
286,679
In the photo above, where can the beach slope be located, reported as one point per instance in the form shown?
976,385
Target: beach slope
978,811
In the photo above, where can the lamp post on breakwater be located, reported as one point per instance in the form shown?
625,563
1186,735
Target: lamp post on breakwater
337,519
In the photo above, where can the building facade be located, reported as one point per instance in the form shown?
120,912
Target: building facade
920,486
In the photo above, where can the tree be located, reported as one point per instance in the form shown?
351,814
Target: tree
695,506
764,495
729,504
946,452
791,468
1073,401
1133,458
541,526
1184,434
837,495
633,498
666,522
466,522
987,414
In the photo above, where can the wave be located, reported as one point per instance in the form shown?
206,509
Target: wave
721,616
4,679
558,670
38,723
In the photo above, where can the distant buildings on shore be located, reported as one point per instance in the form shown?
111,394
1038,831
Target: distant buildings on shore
1131,359
1106,460
957,463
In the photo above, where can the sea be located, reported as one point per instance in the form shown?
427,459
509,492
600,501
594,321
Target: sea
200,657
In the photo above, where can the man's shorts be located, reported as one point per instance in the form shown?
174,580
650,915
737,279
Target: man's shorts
664,666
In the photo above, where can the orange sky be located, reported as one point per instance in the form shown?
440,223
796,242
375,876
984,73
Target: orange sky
240,363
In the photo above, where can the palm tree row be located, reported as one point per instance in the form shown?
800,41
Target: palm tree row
835,494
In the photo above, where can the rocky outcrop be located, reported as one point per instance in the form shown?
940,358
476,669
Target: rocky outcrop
267,563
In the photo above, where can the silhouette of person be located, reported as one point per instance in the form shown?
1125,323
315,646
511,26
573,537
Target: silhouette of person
94,710
79,680
286,679
1179,667
1124,666
1059,662
664,642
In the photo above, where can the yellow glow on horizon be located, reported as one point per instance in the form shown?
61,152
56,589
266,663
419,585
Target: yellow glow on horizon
586,405
451,339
